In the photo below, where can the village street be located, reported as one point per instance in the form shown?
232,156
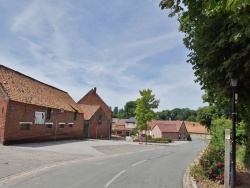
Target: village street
96,163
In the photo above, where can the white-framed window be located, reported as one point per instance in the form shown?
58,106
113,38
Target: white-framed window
61,125
48,125
71,124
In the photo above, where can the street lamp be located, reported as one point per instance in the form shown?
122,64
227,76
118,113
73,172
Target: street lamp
233,160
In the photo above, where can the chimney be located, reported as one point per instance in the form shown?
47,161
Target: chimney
94,89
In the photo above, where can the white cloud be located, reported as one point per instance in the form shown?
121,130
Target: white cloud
119,47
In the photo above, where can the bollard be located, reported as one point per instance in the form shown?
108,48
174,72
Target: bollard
227,158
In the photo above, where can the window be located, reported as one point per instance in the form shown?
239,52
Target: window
25,125
48,113
75,115
61,125
70,124
100,119
48,125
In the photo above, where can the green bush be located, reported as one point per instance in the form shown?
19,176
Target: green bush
149,137
133,132
161,140
189,137
212,163
212,160
241,136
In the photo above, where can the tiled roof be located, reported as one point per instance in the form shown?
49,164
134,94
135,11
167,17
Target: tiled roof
21,88
153,123
131,120
195,127
121,122
88,110
115,120
92,98
170,128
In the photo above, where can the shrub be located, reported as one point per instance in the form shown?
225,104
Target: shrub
149,137
133,132
212,163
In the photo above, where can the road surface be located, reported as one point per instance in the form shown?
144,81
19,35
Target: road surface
158,167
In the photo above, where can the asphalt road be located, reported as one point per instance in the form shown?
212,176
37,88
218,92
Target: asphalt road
157,167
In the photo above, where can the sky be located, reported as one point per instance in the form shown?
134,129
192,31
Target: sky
120,47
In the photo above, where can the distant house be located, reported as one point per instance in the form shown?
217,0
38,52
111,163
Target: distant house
196,130
175,130
34,111
103,114
124,126
96,124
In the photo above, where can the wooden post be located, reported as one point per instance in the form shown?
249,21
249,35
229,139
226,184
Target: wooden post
227,158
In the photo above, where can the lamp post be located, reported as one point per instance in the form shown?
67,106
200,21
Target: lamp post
233,160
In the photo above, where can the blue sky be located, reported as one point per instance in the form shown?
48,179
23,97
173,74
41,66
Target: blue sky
118,46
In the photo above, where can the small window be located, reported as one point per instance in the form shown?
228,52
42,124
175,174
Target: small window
48,125
48,113
70,124
100,119
75,115
25,125
61,125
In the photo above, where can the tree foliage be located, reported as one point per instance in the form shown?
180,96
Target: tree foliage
129,109
217,33
184,114
144,108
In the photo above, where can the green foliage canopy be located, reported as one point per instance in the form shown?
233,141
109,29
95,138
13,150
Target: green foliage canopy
217,33
144,108
129,109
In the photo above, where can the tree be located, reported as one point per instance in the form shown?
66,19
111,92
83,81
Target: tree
177,114
163,115
144,109
205,115
115,111
129,109
217,33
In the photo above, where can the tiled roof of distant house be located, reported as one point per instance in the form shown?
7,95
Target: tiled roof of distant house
153,123
121,122
131,120
21,88
88,110
195,127
170,128
115,120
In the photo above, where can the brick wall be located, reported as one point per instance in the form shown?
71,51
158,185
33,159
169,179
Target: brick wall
173,136
92,98
99,130
3,110
20,112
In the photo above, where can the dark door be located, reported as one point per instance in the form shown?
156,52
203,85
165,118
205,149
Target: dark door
86,131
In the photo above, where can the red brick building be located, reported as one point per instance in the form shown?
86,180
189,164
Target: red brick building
98,115
175,130
33,111
96,123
